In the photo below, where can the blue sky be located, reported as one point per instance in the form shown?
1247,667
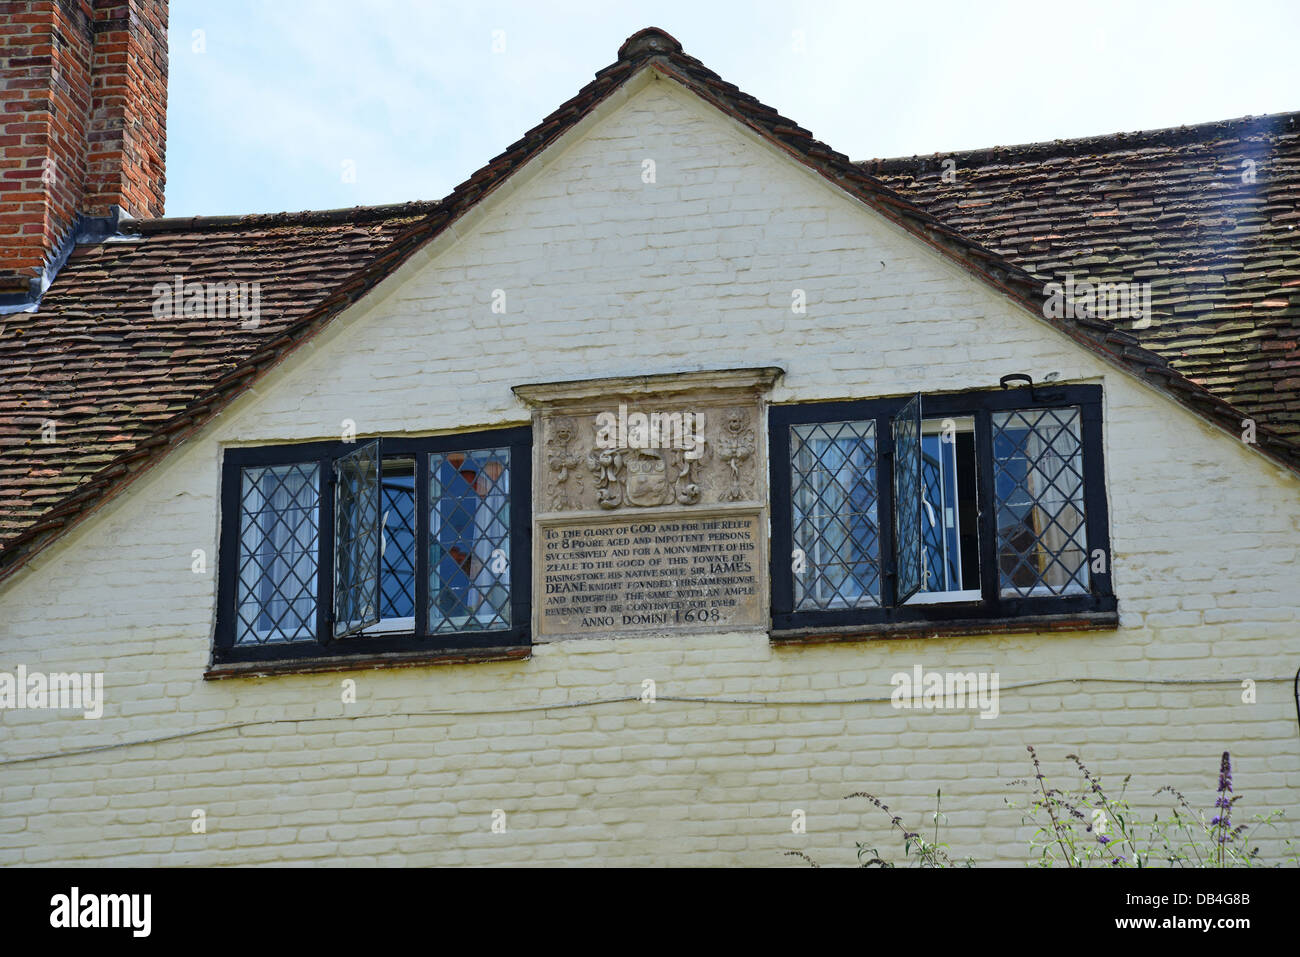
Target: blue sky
270,101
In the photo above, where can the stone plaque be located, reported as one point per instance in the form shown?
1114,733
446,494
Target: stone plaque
650,503
696,571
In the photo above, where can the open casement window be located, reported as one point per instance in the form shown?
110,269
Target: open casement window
357,547
908,499
397,544
991,506
949,517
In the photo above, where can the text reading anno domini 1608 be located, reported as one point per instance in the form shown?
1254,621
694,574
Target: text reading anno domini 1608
650,576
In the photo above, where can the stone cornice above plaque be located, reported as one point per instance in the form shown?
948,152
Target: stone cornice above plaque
757,380
677,440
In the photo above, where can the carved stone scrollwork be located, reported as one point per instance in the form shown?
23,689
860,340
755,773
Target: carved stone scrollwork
560,464
736,446
686,484
689,440
701,462
607,464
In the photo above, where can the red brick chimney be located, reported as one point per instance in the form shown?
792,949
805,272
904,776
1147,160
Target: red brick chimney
83,128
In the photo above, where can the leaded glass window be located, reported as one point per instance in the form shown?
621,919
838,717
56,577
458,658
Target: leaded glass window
279,534
1038,485
356,540
836,538
992,506
908,500
394,544
469,541
397,540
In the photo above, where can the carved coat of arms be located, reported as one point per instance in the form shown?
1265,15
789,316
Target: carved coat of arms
643,477
624,457
647,478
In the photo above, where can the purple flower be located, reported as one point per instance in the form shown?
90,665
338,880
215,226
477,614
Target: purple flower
1222,823
1225,773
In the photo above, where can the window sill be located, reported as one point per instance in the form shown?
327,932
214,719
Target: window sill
1093,621
258,669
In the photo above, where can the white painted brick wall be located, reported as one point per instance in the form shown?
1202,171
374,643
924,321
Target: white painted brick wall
605,276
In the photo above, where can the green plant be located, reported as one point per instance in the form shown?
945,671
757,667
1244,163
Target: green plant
920,851
1087,827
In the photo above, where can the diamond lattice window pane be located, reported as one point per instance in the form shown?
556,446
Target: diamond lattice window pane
1038,486
279,534
356,540
833,515
469,541
397,567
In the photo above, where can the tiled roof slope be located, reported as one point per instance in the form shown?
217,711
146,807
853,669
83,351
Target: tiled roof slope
46,490
97,363
1209,215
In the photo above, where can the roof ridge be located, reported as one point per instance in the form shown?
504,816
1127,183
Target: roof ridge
306,217
1164,136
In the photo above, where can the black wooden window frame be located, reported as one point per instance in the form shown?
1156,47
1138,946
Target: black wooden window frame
992,605
324,455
